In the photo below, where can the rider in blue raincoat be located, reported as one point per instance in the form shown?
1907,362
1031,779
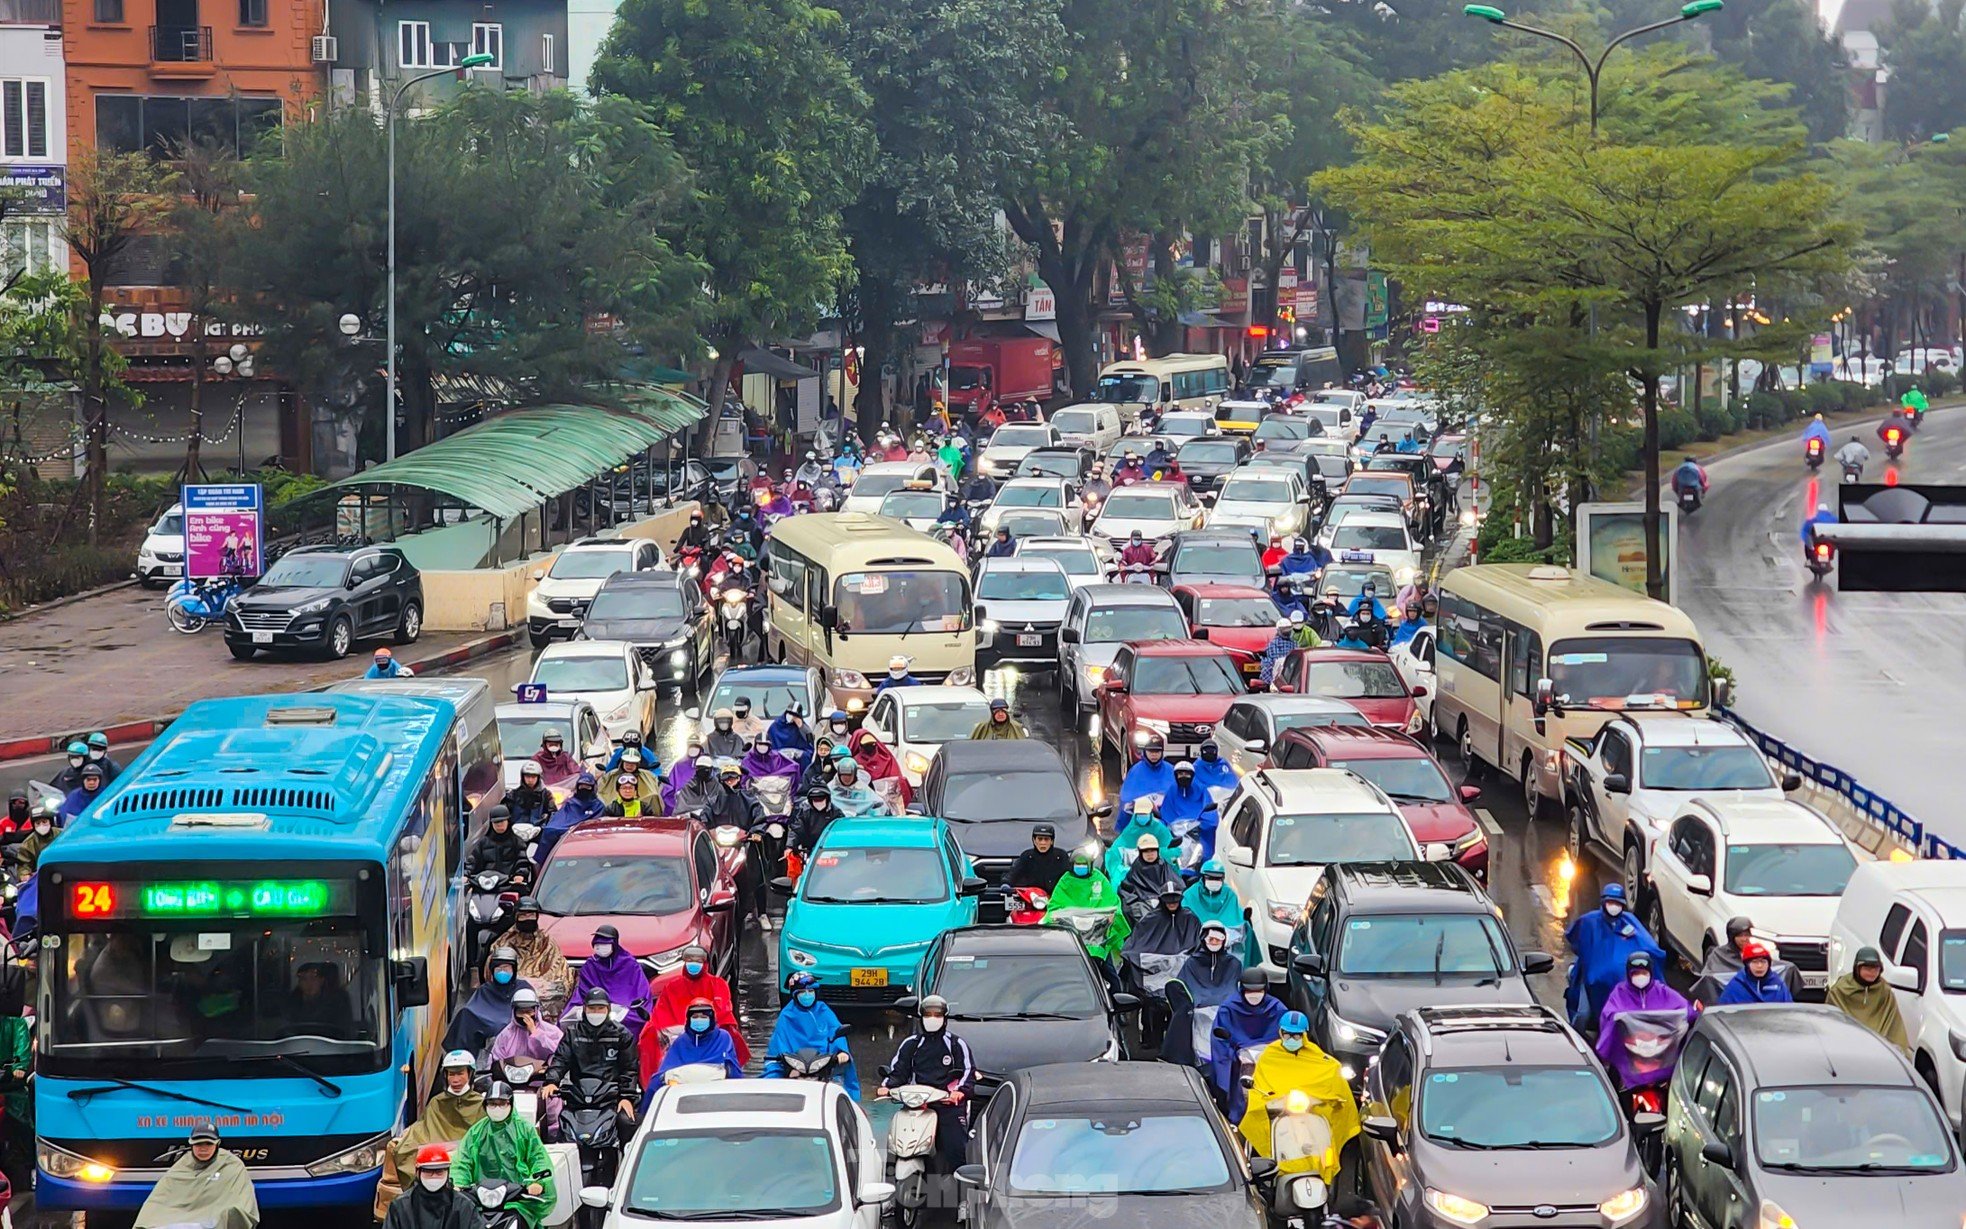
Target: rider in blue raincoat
1367,596
1211,770
583,803
1140,822
1187,801
788,733
1602,939
1305,560
701,1041
1250,1018
805,1023
1151,774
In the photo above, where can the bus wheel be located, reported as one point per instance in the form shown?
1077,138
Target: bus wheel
1464,740
1532,789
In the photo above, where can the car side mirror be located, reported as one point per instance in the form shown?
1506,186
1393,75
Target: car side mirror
1904,977
1380,1127
1242,858
874,1193
1545,701
1700,885
1419,690
1537,962
539,574
1310,964
1101,811
720,902
412,976
1717,1153
782,885
1469,793
1791,781
1068,635
1124,1002
1255,746
1199,633
972,886
594,1197
1648,1123
694,714
1723,691
1262,1168
829,616
907,1002
966,1175
1617,783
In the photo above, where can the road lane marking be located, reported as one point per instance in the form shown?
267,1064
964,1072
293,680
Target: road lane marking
1488,824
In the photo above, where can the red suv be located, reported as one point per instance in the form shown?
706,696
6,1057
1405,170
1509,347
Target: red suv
663,883
1240,618
1177,689
1434,809
1362,678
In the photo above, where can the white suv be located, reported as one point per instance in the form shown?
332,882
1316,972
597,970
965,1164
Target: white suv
1282,826
1627,781
1777,862
793,1152
161,557
561,592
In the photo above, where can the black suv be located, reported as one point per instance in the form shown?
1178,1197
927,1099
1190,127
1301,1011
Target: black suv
1381,938
665,618
324,599
1499,1115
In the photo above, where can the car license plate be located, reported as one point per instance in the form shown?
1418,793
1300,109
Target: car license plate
868,977
1814,981
1252,667
262,637
1355,556
1029,639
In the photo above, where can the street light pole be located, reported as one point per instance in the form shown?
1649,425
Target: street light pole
1593,69
395,103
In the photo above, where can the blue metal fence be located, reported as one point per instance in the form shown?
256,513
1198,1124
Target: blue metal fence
1872,805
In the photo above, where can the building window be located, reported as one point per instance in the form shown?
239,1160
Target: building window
488,38
23,117
162,125
548,62
109,12
31,245
413,45
252,13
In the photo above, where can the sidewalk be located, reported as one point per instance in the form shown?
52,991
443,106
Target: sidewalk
111,660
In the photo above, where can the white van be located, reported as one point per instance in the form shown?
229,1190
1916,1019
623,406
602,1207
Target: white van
1915,914
1089,425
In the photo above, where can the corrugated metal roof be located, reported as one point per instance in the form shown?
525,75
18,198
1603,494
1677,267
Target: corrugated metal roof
514,461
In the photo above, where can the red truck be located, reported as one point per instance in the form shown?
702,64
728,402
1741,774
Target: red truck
984,371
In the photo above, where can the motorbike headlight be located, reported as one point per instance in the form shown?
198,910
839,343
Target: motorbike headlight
1772,1216
805,960
963,676
1623,1206
491,1197
361,1158
915,762
61,1163
1457,1208
849,678
1284,912
729,836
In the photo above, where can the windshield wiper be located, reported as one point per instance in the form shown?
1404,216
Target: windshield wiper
1866,1167
115,1083
987,1016
220,1048
327,1086
712,1214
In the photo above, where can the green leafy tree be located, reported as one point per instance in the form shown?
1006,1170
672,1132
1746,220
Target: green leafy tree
1925,52
1781,41
1910,207
762,105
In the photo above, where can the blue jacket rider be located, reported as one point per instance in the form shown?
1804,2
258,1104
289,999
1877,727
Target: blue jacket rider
1186,801
1821,516
1279,647
1602,939
1368,596
1305,559
1152,774
1816,430
583,804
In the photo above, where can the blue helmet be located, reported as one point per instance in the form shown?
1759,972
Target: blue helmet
1213,867
801,981
1294,1022
1613,891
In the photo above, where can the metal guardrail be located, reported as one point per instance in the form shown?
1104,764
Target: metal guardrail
1869,805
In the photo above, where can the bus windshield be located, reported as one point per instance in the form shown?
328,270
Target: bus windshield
901,602
1616,672
1272,373
1118,388
225,990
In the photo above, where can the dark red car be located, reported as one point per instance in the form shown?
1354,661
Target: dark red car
1434,809
1362,678
663,883
1240,618
1178,689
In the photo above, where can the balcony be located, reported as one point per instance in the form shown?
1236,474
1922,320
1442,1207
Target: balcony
181,51
30,12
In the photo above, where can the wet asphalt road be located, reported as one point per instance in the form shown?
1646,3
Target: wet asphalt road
1869,682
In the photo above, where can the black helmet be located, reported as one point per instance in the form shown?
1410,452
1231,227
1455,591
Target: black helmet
816,792
527,904
498,1091
1738,926
1255,979
597,996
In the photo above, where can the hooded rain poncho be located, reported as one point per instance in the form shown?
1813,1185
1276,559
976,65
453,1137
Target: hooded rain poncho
483,1016
448,1208
1602,943
1215,774
1317,1075
625,983
1141,780
1192,813
1210,979
517,1044
1246,1026
1747,988
809,1028
445,1119
511,1150
1632,1070
217,1193
1091,893
714,1048
1874,1006
769,764
1223,906
1119,857
857,798
877,763
786,737
684,772
1141,888
1157,947
673,992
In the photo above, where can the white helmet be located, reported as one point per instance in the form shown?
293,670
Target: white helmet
530,768
459,1058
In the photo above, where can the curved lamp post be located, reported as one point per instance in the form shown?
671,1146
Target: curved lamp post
1690,11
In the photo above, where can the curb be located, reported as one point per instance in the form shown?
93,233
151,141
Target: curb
69,600
38,745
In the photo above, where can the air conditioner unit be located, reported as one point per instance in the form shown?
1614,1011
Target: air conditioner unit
326,49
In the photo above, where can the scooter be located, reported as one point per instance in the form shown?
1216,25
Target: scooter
590,1118
1300,1130
1025,906
734,611
911,1148
1689,500
1894,441
497,1201
1812,452
1821,557
191,604
1852,472
813,1063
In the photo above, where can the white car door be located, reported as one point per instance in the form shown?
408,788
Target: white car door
1235,844
1612,811
1415,662
1686,852
1905,944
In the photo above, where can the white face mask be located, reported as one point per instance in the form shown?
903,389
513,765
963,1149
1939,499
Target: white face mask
1254,997
1641,980
932,1024
1212,943
597,1017
498,1113
1613,909
603,950
433,1182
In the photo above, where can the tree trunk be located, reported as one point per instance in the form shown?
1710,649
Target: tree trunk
716,394
193,464
1655,584
877,337
1162,333
96,455
1071,284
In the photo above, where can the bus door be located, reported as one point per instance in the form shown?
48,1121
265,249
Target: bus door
1525,667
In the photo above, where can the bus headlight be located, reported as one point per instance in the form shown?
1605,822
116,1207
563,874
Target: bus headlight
361,1158
61,1163
851,679
963,676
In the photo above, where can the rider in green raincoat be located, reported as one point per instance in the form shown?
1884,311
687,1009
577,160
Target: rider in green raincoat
1144,821
504,1147
1211,899
1083,887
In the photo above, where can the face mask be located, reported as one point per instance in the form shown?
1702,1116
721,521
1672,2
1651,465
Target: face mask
75,761
932,1024
528,925
603,950
1254,997
498,1113
1209,753
807,998
433,1182
596,1017
584,791
42,827
694,968
1211,883
895,674
502,976
17,811
96,753
1081,871
1641,980
1212,943
699,1024
1292,1043
1613,909
723,725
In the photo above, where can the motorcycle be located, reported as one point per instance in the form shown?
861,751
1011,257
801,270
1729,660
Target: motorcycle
1137,574
1812,452
1025,906
811,1062
734,612
1821,558
689,561
498,1201
1852,472
1649,1045
491,901
1091,925
1689,500
526,1077
191,604
911,1149
1301,1143
1894,441
590,1118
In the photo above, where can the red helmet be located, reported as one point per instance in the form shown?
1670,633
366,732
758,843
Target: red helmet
1753,951
433,1156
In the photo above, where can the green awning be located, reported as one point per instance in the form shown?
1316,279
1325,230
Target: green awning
515,461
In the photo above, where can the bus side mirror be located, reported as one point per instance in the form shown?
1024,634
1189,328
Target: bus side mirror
1545,702
829,617
412,978
1723,691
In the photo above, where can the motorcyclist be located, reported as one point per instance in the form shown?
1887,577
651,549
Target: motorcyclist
934,1056
1864,996
207,1186
1150,774
956,514
497,848
631,740
1368,598
811,816
1305,560
1138,552
433,1203
723,741
811,471
1211,770
999,724
1602,939
20,815
555,764
385,666
69,779
695,535
1757,982
581,805
594,1046
1294,1063
1367,631
763,760
489,1009
98,744
806,1023
1821,516
501,1147
1288,598
629,801
1689,477
1816,430
1328,612
839,725
1188,801
788,732
732,804
700,1043
1086,887
1302,634
27,852
1273,553
1724,960
531,802
542,966
851,795
1900,422
675,992
952,458
1641,990
81,796
614,969
1211,899
980,488
897,675
1129,470
745,534
1042,865
1914,405
1250,1018
1002,546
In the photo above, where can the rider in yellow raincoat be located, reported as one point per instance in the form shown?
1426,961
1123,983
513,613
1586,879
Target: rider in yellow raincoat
1290,1064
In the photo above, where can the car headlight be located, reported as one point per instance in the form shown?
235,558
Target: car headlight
1284,912
849,678
805,960
1622,1207
1112,1054
619,714
1153,723
1457,1208
314,607
1413,723
361,1158
1474,837
915,762
989,625
1406,576
1772,1216
1347,1033
1094,673
963,676
61,1163
677,657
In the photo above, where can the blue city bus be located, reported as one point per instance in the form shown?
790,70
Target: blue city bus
253,924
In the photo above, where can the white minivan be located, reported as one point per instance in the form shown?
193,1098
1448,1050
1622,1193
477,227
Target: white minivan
1091,425
1914,914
